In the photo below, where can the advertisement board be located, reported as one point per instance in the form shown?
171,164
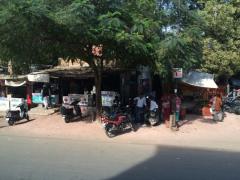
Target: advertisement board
108,97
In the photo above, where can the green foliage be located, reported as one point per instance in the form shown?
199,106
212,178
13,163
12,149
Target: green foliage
24,28
181,46
221,53
163,34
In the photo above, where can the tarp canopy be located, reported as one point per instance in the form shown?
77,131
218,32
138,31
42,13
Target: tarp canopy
200,79
14,83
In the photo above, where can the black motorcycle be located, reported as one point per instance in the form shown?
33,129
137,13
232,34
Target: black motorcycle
70,111
13,116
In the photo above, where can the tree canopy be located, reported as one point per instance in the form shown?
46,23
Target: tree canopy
221,43
191,34
40,31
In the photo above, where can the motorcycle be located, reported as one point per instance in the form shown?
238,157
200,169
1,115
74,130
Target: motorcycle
19,114
70,111
115,124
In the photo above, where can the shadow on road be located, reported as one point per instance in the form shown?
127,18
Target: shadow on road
191,118
24,122
176,163
3,126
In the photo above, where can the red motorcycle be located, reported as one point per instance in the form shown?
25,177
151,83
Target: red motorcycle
116,124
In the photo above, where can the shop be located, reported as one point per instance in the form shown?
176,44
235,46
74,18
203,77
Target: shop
37,81
197,88
14,92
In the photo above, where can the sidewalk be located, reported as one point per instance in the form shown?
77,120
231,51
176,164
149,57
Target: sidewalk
195,132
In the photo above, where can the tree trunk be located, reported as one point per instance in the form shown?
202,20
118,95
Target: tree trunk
98,84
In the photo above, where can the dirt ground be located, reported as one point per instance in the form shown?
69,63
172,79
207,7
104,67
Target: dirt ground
195,131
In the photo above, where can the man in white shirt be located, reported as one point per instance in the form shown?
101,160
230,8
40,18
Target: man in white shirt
140,106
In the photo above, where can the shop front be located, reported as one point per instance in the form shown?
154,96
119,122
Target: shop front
37,82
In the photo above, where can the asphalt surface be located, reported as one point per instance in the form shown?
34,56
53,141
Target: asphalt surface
29,158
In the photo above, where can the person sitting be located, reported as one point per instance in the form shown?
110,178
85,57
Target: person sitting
217,107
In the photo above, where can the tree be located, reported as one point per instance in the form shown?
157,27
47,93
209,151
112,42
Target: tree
221,41
126,32
24,30
182,45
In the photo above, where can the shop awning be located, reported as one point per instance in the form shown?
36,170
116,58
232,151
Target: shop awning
14,83
45,78
200,79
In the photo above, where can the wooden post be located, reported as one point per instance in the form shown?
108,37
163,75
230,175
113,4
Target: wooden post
173,124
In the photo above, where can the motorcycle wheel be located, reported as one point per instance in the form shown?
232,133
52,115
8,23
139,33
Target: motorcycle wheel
10,122
67,120
108,131
132,127
153,122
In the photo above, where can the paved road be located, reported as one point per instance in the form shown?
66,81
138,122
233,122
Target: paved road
27,158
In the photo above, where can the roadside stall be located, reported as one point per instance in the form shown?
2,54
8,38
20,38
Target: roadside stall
197,88
16,91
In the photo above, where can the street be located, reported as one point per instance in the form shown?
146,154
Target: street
47,148
29,158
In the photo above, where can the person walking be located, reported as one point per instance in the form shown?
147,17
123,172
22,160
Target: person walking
45,96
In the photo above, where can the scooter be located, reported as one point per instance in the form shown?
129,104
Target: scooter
13,116
70,111
115,124
153,117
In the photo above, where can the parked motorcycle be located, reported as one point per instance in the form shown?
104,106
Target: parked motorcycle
70,111
13,116
115,124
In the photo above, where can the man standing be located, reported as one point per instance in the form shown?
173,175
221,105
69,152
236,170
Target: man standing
176,107
140,102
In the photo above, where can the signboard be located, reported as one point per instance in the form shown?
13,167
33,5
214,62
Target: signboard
108,97
4,104
14,102
39,78
82,98
177,72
